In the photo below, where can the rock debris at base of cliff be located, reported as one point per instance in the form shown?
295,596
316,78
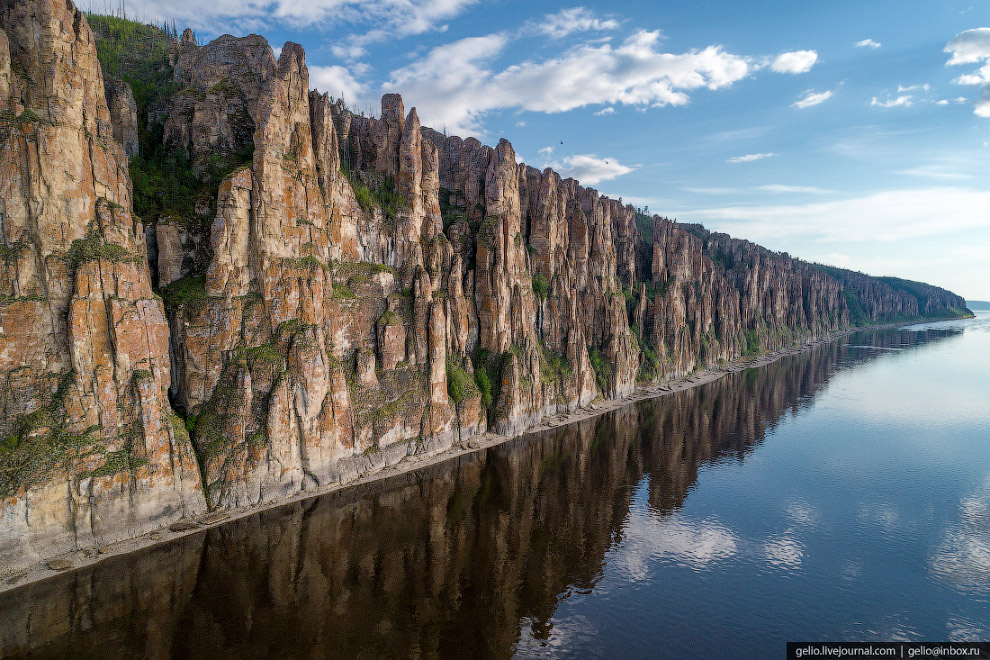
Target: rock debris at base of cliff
219,288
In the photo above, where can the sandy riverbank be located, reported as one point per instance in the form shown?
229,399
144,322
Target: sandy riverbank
82,558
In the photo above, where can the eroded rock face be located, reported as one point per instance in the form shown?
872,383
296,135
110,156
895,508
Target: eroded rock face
354,291
123,115
92,451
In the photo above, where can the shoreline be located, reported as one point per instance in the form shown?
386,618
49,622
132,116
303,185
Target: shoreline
84,558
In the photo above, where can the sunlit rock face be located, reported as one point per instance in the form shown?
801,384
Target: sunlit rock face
342,291
92,452
459,559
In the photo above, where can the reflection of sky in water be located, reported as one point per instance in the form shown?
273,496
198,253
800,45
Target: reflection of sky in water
647,537
863,515
963,557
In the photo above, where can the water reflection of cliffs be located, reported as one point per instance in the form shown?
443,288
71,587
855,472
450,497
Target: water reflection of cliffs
445,562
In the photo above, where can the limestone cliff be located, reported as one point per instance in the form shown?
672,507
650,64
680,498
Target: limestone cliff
337,291
91,449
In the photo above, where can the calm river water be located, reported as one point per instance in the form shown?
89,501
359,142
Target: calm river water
842,494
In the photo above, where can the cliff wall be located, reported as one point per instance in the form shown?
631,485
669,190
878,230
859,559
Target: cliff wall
91,451
337,292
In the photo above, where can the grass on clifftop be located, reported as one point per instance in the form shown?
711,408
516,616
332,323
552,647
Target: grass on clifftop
164,181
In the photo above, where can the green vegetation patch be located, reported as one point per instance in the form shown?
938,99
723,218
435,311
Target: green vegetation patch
541,286
459,383
186,293
380,194
603,369
389,318
554,367
165,184
40,443
118,461
264,354
645,224
488,378
94,248
343,291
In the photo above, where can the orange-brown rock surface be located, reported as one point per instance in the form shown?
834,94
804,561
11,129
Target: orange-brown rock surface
340,291
92,452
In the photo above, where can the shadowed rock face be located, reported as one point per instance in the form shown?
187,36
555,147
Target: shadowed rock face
358,290
451,561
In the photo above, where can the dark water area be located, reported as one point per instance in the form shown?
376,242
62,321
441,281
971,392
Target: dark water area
841,494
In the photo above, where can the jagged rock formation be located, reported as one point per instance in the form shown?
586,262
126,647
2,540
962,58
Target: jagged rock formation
92,451
457,560
340,291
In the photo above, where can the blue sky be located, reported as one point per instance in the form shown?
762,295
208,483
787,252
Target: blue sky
852,133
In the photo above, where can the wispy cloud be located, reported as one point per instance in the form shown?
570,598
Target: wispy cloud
940,171
883,216
781,188
903,101
867,43
798,61
454,84
749,158
569,21
812,98
973,47
589,169
605,111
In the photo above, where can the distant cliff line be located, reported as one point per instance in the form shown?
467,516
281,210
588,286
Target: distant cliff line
221,289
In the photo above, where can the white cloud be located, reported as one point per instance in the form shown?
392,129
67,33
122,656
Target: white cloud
545,151
942,102
913,88
867,43
780,188
798,61
812,98
903,101
337,81
749,158
973,47
883,216
348,51
568,21
969,47
589,169
454,86
605,111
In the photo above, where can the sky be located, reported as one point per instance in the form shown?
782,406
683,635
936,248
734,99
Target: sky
845,132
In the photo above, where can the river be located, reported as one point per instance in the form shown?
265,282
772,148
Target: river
839,494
